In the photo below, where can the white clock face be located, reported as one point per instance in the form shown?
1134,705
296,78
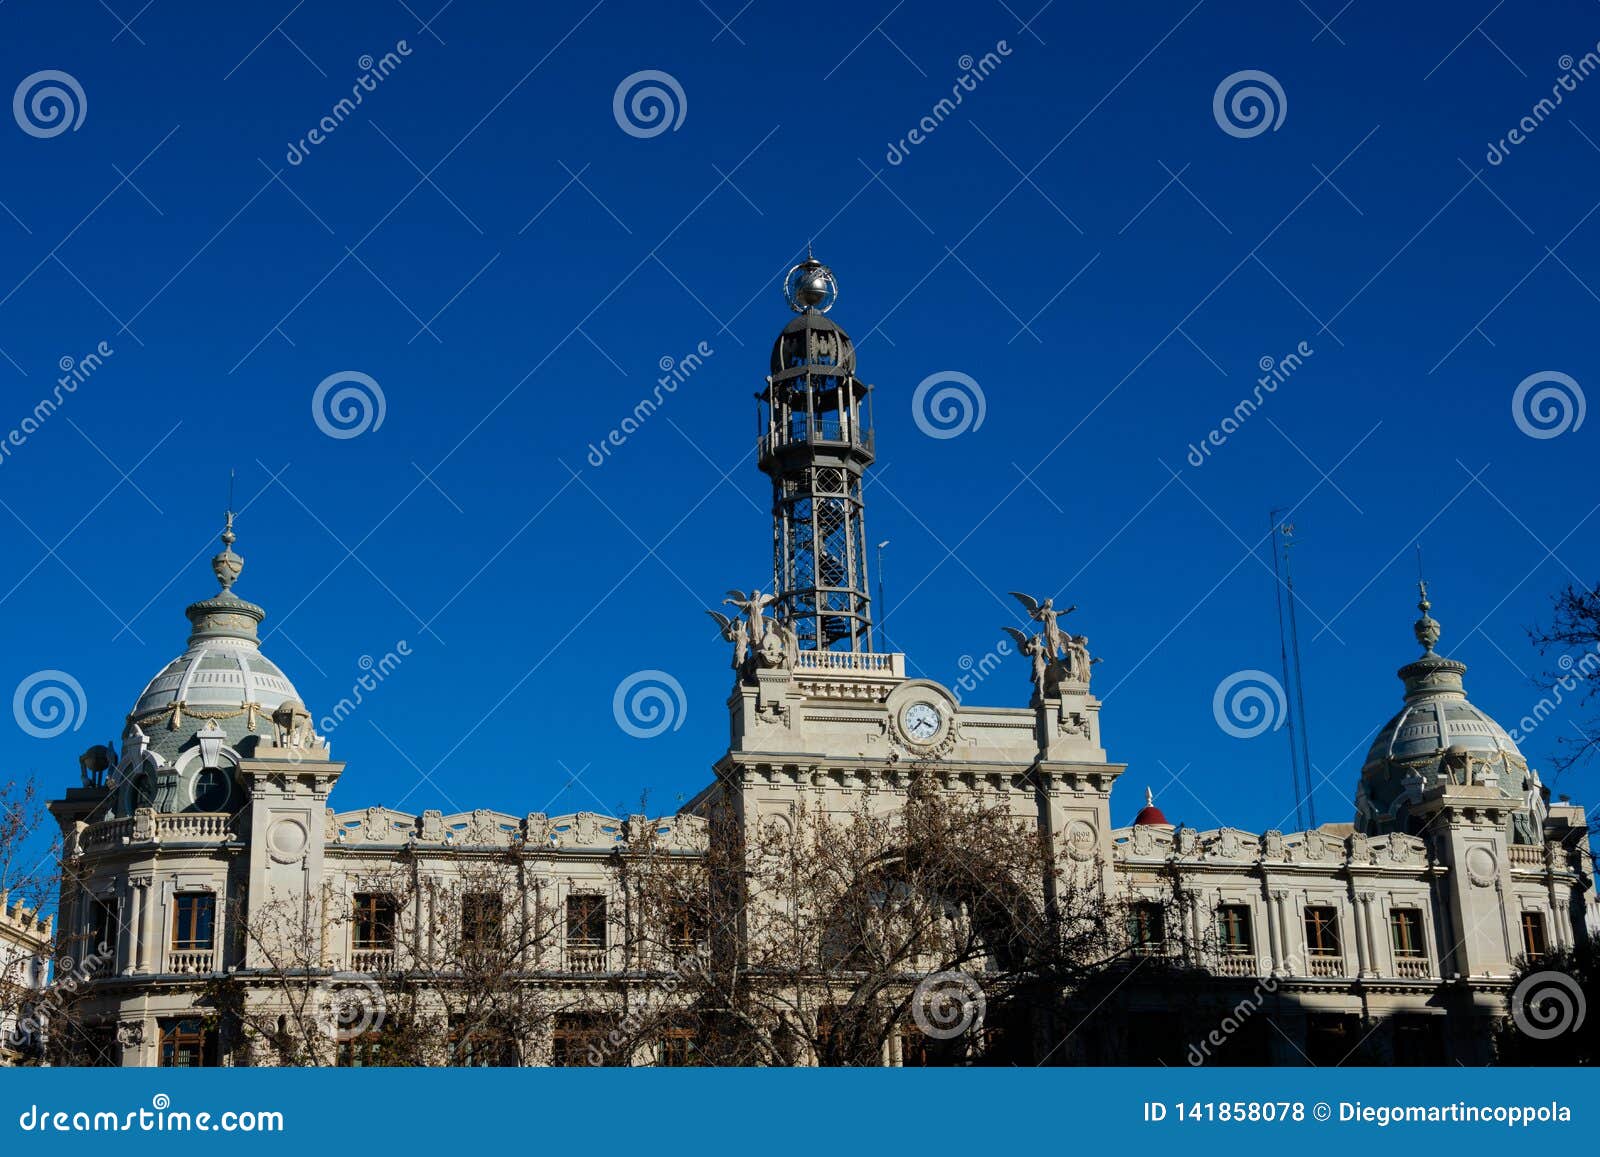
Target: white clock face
921,721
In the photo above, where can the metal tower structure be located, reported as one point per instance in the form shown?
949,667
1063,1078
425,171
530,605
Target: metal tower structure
816,443
1300,768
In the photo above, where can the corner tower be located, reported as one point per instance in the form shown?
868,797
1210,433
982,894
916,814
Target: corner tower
816,444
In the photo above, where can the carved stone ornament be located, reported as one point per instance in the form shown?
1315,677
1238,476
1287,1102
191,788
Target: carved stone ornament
433,826
130,1033
144,825
1079,839
1481,865
1144,841
1272,845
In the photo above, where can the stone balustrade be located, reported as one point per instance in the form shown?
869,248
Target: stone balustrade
155,828
858,662
1412,967
586,960
372,960
1525,855
1325,966
191,962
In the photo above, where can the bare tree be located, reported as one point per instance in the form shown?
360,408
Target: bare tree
1574,626
28,882
938,930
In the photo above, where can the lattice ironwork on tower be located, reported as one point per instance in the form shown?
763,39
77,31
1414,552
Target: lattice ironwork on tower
816,444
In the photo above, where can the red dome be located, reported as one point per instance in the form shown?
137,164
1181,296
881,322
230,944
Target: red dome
1150,814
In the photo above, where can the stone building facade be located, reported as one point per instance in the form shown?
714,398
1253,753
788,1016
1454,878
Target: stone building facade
1410,919
25,942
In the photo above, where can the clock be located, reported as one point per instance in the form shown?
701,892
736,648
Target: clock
922,722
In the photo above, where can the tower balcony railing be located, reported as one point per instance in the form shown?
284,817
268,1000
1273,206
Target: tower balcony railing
858,662
818,432
1525,855
154,828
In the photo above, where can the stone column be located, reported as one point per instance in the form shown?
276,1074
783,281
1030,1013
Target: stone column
139,954
1366,899
1358,925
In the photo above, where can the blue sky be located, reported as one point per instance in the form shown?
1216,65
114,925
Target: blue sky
1080,236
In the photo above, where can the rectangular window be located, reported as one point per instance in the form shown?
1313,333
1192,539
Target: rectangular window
678,1049
374,920
580,1039
104,927
1147,927
1405,932
1322,932
586,921
1534,943
193,920
1233,924
187,1044
482,914
361,1052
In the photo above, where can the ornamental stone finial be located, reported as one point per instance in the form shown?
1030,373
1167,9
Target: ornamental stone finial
1427,627
227,565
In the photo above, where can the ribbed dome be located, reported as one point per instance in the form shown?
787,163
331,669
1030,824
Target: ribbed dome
221,680
1439,737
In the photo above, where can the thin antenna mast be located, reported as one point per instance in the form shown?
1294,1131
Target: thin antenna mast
1283,655
1299,680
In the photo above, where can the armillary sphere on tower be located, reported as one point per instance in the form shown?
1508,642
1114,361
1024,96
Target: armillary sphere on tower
810,286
